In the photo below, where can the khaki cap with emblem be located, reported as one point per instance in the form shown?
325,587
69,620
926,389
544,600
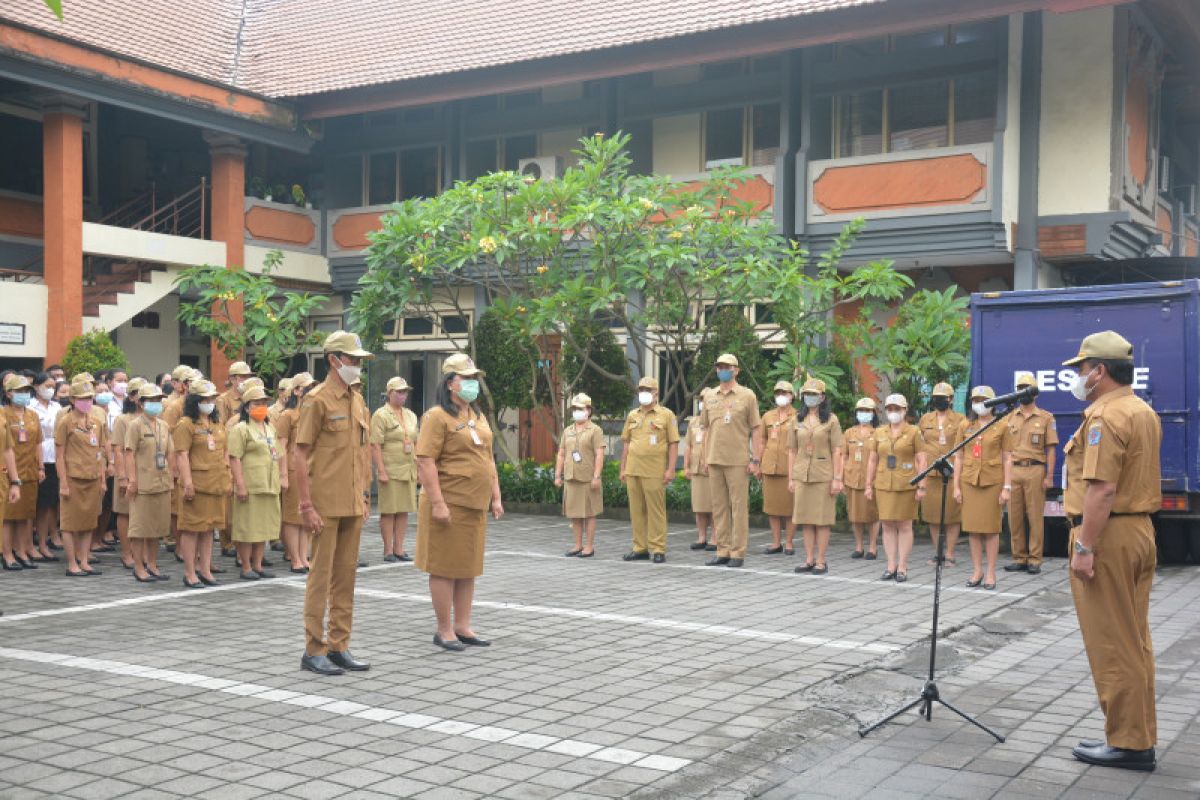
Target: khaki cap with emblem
648,383
1106,346
15,381
397,384
82,389
135,386
895,400
461,364
942,389
196,375
302,380
181,373
865,403
254,393
813,386
285,385
784,386
581,400
727,359
149,391
252,382
986,392
239,368
203,389
83,377
346,342
1025,379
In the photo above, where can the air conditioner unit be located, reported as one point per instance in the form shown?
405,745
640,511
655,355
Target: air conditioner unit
542,168
1164,174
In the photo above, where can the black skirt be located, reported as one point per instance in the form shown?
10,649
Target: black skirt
47,496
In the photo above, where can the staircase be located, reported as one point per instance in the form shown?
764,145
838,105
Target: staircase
115,290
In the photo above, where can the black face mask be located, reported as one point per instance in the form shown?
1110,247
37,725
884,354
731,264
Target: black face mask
1026,401
941,403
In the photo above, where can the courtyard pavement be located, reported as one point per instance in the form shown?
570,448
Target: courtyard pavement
605,679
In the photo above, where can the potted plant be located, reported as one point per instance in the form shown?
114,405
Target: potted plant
279,192
298,196
256,187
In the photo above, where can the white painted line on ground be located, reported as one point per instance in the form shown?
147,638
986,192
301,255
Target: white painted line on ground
749,571
345,708
652,622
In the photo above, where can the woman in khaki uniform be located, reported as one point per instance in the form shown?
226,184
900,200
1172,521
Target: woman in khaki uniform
257,482
862,513
10,491
578,467
120,426
706,533
80,442
982,483
459,482
147,449
896,455
25,437
815,451
778,497
942,430
393,437
199,444
297,538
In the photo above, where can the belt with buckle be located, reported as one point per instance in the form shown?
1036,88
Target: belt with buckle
1029,463
1075,522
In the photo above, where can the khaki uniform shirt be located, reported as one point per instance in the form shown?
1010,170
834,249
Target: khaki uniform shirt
1032,434
695,443
396,435
578,449
1118,442
897,457
334,422
854,467
83,440
255,444
815,446
285,429
25,438
461,449
729,417
172,410
941,438
648,436
150,442
777,431
228,404
204,442
5,445
983,459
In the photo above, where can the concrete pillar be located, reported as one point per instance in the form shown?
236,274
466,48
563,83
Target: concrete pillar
228,222
62,216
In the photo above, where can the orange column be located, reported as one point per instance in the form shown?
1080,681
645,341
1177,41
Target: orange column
228,221
62,213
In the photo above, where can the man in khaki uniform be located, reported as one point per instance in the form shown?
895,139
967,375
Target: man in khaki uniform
733,427
651,437
229,401
1113,485
1035,438
333,474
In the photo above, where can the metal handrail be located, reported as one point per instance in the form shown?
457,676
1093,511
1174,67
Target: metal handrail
132,209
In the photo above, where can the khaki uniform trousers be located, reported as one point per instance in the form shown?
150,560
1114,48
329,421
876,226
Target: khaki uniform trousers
1113,609
1027,501
647,513
730,489
331,585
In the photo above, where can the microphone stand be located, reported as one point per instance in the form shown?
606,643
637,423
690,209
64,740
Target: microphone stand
929,692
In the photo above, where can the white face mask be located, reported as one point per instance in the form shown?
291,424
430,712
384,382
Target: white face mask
864,417
783,400
980,409
349,374
46,392
579,414
812,400
206,408
645,398
895,417
1079,387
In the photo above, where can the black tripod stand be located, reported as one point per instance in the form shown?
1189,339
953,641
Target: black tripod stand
929,692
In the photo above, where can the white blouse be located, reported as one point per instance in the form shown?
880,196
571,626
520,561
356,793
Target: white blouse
47,415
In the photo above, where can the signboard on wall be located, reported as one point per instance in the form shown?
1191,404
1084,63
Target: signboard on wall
12,333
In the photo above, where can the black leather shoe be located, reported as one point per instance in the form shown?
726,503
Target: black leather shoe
573,553
773,550
1016,566
262,573
1034,569
390,558
735,562
404,557
249,576
454,645
266,562
199,584
719,561
228,552
711,548
804,568
473,641
320,665
347,661
1105,756
209,581
13,566
25,563
635,555
696,546
659,558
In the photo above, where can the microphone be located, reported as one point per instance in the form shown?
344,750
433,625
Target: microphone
1012,397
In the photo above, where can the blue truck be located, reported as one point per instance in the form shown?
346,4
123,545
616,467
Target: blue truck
1036,331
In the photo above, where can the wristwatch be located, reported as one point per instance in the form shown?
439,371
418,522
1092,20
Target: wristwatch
1081,550
14,482
755,461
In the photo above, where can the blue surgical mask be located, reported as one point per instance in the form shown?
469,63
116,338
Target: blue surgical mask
153,408
22,399
724,375
469,390
104,398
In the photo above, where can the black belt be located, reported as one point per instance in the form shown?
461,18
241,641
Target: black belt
1029,463
1075,522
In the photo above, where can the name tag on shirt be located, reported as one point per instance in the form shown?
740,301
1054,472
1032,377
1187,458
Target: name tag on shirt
21,437
160,461
475,436
93,441
858,455
728,418
977,450
212,443
653,439
699,437
408,447
1035,439
891,462
576,457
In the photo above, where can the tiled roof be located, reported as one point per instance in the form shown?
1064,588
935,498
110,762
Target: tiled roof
289,48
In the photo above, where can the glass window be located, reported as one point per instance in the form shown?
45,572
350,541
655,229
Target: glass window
918,116
381,178
455,323
974,108
764,314
919,40
418,326
860,124
723,137
481,158
21,141
517,148
974,32
419,172
764,135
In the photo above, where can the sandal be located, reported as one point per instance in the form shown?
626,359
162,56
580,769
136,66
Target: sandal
773,550
857,554
820,569
901,577
789,551
870,556
804,568
887,575
989,586
971,584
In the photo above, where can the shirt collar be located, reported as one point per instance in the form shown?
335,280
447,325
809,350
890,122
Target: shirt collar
1123,391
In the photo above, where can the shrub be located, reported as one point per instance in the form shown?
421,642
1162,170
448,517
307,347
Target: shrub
92,352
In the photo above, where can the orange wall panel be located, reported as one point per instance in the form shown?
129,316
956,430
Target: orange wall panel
277,225
890,185
350,231
20,217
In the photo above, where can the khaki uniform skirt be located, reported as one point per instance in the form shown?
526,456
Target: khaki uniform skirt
859,509
931,505
149,515
204,513
120,503
814,504
581,501
290,512
701,496
896,506
453,549
981,510
80,512
26,507
397,497
257,519
777,500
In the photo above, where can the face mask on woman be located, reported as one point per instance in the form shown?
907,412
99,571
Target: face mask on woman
783,400
104,398
206,408
153,408
895,417
468,390
812,400
84,406
941,403
120,388
864,417
579,414
980,409
22,399
46,392
259,413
